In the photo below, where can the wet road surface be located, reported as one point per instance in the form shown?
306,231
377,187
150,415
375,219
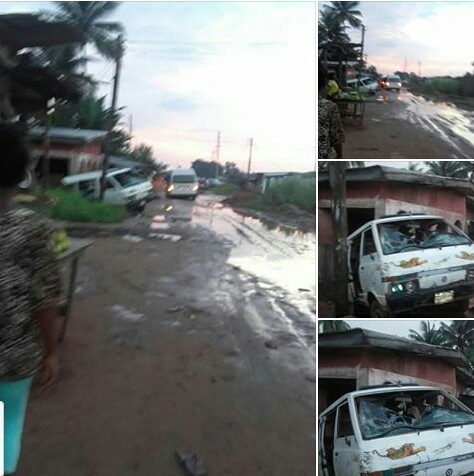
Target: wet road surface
455,126
188,337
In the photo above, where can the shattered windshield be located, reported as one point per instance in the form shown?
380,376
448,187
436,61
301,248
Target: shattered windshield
395,413
409,235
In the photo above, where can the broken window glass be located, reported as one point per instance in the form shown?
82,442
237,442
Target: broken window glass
423,233
392,413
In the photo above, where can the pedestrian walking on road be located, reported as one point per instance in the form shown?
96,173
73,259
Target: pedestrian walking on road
330,132
29,290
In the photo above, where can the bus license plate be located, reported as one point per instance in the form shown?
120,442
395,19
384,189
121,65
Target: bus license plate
443,298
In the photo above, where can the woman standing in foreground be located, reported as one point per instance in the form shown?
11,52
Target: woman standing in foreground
29,289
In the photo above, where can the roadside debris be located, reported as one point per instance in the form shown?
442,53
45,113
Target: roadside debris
164,236
132,238
271,345
159,226
126,314
191,463
175,309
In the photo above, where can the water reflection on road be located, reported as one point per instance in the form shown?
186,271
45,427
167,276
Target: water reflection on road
452,124
279,257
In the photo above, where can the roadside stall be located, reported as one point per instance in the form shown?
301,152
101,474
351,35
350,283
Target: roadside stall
351,106
68,261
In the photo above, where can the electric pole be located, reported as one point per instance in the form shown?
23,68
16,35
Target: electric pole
337,181
118,66
362,48
218,147
250,162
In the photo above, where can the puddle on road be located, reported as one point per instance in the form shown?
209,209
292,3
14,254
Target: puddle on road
159,226
280,257
444,119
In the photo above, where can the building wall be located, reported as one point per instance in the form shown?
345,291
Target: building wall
372,366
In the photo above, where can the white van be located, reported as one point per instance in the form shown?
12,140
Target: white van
183,183
122,187
401,430
404,263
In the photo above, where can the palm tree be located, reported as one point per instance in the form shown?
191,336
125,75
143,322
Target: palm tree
429,334
446,168
345,12
459,335
414,167
325,326
88,17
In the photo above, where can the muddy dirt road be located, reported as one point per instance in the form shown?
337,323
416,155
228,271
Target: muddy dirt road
199,337
405,126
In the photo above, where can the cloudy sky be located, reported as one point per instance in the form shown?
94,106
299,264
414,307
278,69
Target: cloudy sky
191,69
435,34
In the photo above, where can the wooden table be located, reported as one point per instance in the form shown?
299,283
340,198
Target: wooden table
353,108
76,249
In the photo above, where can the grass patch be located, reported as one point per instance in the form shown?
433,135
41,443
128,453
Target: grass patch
293,191
259,204
227,188
70,206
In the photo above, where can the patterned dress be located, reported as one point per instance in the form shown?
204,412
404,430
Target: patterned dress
330,132
29,281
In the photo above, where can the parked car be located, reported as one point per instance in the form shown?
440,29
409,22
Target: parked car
183,183
213,182
392,81
396,430
122,187
404,263
366,84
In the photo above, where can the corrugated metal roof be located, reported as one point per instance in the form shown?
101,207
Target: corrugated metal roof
68,134
357,338
393,174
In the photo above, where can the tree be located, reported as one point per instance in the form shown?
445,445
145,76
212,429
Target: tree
345,12
143,154
207,169
233,174
414,167
326,326
459,335
88,16
453,169
429,334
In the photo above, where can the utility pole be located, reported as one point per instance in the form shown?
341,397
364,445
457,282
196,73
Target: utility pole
337,181
362,48
249,163
118,66
218,147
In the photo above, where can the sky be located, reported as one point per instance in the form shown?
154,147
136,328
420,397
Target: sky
435,34
192,69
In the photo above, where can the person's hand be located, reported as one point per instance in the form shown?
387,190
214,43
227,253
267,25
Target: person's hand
49,371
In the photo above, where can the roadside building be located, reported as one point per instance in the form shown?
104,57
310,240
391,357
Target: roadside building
262,180
356,358
372,192
71,151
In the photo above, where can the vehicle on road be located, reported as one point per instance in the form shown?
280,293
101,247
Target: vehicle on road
365,84
183,183
405,263
391,82
396,430
122,187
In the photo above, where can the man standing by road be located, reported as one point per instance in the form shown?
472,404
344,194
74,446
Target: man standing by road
333,88
330,132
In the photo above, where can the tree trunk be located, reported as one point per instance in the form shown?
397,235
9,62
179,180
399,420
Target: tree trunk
337,180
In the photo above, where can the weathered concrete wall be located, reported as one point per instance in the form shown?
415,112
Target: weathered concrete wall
381,362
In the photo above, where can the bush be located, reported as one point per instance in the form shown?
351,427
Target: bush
294,191
69,205
225,188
